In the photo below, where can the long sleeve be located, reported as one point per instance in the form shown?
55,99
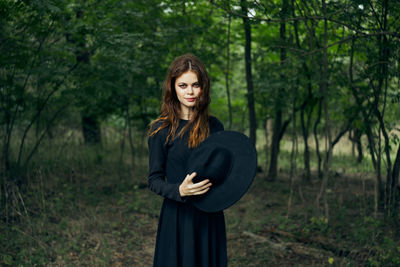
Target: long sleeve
157,165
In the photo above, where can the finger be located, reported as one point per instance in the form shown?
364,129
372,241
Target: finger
200,184
202,191
195,190
204,187
191,176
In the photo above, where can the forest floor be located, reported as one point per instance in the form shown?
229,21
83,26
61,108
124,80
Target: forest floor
108,221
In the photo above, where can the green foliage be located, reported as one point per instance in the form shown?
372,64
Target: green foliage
389,252
319,223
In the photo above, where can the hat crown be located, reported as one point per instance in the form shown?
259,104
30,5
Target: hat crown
211,163
229,160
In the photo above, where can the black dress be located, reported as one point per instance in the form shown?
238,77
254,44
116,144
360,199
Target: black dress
186,236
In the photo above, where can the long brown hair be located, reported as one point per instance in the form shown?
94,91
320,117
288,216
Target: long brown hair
170,109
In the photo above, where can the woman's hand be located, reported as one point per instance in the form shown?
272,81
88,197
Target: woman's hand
188,188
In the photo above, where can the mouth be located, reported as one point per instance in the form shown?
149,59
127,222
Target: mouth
190,99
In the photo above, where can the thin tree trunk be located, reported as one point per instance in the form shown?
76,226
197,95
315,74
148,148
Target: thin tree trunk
249,77
383,83
315,131
273,165
304,126
266,141
44,132
395,182
132,147
379,189
379,163
122,145
293,153
6,146
355,138
304,130
130,138
328,134
227,71
360,154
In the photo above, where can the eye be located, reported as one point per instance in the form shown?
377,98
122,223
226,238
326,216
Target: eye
196,85
182,85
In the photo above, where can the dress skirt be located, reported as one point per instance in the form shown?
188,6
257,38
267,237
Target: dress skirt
188,237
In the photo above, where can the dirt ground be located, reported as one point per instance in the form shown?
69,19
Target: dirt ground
116,225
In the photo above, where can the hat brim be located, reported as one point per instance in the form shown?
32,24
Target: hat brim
238,180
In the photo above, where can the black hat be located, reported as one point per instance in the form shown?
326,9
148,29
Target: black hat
229,160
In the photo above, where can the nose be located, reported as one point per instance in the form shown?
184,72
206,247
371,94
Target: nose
190,89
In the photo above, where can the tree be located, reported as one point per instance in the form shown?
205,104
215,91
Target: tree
278,112
249,76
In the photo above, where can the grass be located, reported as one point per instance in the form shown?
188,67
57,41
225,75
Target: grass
86,207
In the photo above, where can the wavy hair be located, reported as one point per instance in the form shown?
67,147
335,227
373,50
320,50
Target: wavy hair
171,108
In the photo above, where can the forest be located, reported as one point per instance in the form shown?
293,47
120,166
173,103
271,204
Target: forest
315,84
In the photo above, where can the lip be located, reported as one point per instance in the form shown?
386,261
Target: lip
190,99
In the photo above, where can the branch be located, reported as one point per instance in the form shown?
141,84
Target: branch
39,111
43,134
375,14
261,239
346,129
303,18
326,244
351,37
340,135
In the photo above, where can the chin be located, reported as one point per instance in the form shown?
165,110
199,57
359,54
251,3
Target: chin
191,104
190,107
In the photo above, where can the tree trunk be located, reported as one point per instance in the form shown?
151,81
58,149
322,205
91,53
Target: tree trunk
379,190
315,131
122,145
277,131
355,138
91,129
273,163
249,77
328,134
395,182
266,141
360,154
304,130
383,84
294,152
6,145
90,123
227,71
308,102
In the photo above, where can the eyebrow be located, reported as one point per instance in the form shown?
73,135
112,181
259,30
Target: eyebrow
186,83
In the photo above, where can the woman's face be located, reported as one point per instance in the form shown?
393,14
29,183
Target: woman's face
187,89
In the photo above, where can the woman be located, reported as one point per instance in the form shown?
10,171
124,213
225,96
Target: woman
186,236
